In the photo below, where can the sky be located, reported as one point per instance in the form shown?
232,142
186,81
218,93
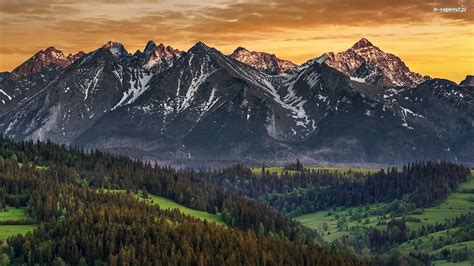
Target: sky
430,42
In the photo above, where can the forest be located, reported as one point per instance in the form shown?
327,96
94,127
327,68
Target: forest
424,183
409,214
67,199
78,224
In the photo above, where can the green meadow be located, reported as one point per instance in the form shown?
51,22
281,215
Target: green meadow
335,223
14,214
352,219
12,230
167,204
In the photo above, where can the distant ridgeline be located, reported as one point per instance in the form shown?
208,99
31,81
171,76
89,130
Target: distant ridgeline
76,224
424,183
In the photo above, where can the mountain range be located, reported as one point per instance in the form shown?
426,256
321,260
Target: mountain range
360,105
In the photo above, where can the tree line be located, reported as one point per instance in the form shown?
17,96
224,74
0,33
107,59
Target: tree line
424,183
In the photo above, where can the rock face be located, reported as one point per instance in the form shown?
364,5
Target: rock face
159,57
368,63
43,59
468,82
164,104
264,62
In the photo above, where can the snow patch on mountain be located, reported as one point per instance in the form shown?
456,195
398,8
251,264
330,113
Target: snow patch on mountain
312,79
361,80
210,102
119,73
138,85
4,93
197,80
92,83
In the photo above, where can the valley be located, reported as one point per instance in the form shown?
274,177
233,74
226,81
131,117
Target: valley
215,133
420,212
77,219
370,223
348,224
366,216
157,144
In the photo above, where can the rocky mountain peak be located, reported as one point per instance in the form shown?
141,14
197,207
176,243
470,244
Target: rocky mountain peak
206,104
166,51
160,55
117,49
379,67
200,47
362,43
264,62
73,57
240,49
53,53
468,81
43,59
149,48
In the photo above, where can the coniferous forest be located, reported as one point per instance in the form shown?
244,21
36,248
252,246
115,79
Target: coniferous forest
424,183
249,132
80,224
70,195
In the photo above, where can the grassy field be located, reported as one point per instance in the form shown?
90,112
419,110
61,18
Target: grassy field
280,170
458,203
14,214
12,230
462,245
167,204
425,243
337,222
326,221
445,263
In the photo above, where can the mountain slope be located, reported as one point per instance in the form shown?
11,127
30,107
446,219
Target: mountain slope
205,105
41,60
368,63
75,98
33,73
264,62
164,104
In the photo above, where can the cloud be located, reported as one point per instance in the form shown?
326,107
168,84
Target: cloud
277,26
37,9
287,14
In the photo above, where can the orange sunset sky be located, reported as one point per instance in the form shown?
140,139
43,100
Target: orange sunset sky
432,43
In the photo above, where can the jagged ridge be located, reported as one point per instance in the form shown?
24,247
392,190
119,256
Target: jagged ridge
205,105
368,63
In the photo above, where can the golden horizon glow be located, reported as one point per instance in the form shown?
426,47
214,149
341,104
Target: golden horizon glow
431,43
